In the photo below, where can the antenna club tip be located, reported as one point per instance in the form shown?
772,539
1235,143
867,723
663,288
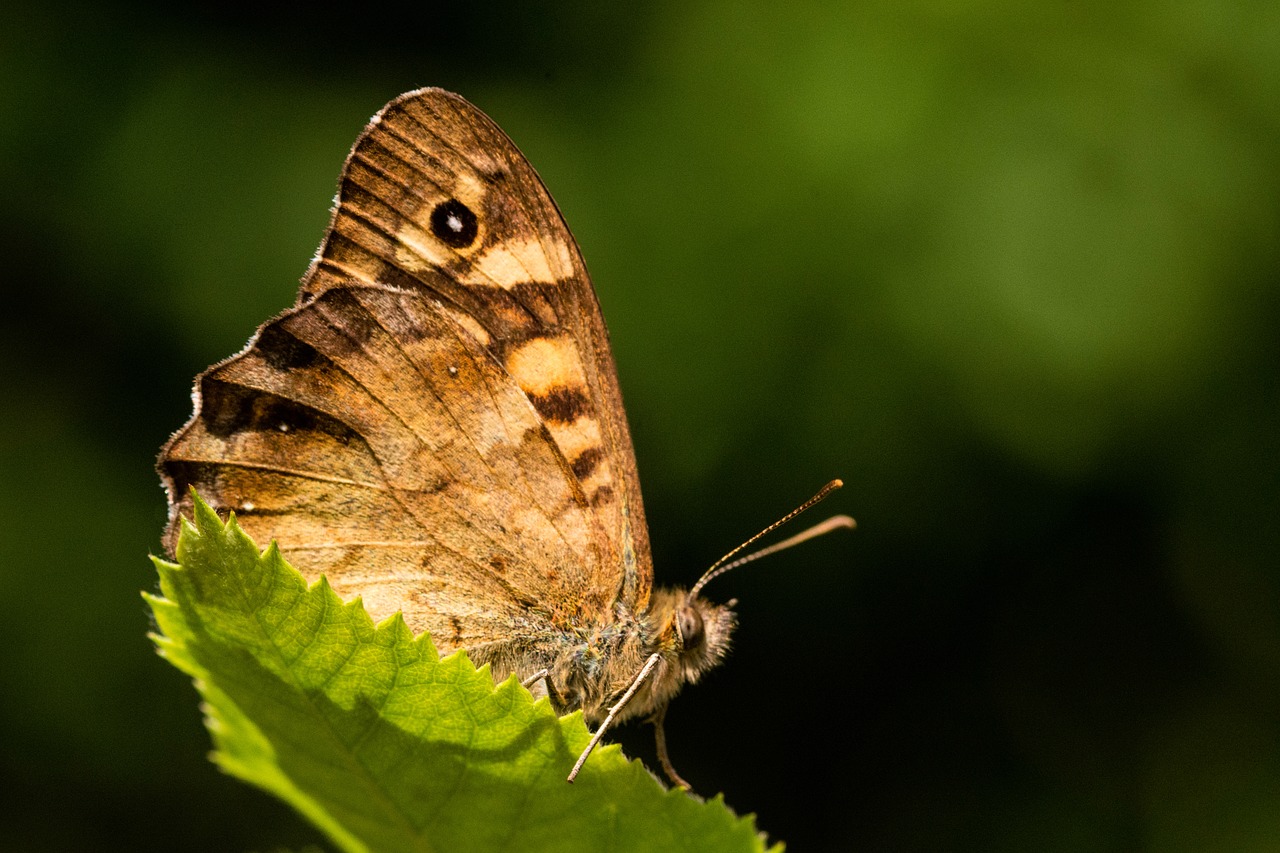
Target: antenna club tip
837,483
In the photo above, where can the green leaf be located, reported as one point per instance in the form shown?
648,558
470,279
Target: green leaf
381,743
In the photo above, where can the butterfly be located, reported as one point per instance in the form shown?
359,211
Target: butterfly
436,426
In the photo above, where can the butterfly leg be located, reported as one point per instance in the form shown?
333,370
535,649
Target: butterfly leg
660,736
553,695
528,683
621,703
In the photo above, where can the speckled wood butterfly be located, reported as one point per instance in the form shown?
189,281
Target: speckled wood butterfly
436,426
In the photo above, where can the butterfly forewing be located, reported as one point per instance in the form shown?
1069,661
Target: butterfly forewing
518,285
437,425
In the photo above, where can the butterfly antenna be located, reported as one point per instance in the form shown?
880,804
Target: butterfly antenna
836,522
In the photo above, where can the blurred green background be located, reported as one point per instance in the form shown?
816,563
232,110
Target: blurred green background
1011,272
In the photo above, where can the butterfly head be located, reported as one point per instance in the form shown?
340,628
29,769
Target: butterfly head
695,631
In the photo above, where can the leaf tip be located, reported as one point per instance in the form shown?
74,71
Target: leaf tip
395,629
204,519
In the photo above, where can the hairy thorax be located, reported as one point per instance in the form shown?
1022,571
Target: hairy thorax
588,669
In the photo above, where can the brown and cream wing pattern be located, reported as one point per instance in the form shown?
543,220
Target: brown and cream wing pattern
437,423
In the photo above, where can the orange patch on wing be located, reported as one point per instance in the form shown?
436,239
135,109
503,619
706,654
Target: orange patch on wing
512,262
543,365
578,437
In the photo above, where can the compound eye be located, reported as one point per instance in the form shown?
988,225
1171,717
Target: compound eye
690,625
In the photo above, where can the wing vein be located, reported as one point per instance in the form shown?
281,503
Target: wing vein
530,494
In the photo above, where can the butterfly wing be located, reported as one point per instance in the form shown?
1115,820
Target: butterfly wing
437,424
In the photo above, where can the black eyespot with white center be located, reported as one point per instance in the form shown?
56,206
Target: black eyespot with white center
690,625
454,223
